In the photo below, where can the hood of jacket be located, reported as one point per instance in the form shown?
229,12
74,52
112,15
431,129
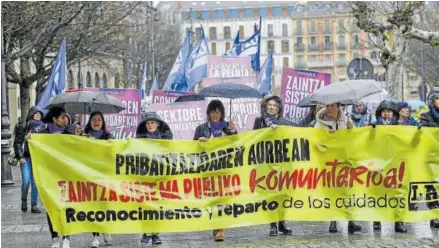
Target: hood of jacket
342,118
32,111
387,105
268,98
152,116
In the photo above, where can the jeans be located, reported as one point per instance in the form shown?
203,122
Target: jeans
28,180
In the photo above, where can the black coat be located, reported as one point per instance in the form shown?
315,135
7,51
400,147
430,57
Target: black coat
427,120
260,123
203,130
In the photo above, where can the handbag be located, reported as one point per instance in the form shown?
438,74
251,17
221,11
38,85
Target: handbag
12,160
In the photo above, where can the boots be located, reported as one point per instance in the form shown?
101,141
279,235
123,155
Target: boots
434,223
24,205
284,229
155,239
352,227
273,229
376,225
34,209
400,227
333,227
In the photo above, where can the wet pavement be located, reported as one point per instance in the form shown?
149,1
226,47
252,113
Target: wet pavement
31,230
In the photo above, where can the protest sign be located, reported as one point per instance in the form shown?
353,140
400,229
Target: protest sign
297,84
183,118
301,174
164,97
249,81
229,67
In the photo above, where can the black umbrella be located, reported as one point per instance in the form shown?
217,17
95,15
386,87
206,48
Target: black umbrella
231,91
190,98
83,102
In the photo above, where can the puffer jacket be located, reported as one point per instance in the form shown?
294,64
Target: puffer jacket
21,147
163,129
339,124
428,120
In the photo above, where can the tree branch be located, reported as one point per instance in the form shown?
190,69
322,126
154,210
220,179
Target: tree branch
429,37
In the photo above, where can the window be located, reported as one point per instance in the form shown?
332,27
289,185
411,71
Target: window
88,80
327,26
299,41
313,26
313,40
213,48
313,58
97,81
199,16
270,12
341,24
342,58
227,33
117,80
270,46
284,30
104,79
285,62
212,33
227,46
299,59
328,58
327,40
284,11
373,55
299,27
241,32
198,33
341,41
270,30
241,13
285,46
70,79
255,12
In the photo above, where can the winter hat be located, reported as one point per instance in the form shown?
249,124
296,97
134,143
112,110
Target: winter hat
401,105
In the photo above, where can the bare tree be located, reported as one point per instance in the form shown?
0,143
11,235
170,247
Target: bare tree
33,32
392,23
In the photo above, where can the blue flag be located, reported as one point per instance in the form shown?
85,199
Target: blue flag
264,86
196,65
176,80
154,86
57,79
143,87
234,50
250,47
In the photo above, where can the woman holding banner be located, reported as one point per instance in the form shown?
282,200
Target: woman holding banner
387,114
96,129
215,127
56,124
271,107
153,127
332,118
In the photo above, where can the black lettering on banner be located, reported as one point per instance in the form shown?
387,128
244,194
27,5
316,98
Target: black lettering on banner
423,196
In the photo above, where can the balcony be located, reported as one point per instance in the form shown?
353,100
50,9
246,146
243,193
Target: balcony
316,64
299,47
312,31
300,65
341,46
313,47
342,63
328,47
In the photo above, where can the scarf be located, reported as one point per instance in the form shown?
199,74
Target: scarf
36,126
358,115
55,129
155,135
435,112
96,134
216,128
387,121
270,120
408,122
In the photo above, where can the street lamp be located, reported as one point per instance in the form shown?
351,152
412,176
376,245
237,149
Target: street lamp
6,133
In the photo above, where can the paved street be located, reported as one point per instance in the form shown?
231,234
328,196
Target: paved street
30,230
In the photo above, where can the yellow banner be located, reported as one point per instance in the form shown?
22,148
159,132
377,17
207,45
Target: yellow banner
257,177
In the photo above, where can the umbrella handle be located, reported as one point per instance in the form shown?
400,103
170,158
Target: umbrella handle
230,109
